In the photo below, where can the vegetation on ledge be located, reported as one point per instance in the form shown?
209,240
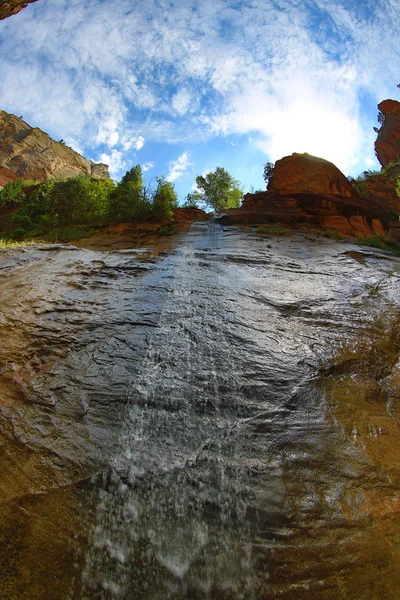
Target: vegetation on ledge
382,242
73,208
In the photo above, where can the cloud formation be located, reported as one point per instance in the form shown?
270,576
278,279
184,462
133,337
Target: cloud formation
178,167
293,75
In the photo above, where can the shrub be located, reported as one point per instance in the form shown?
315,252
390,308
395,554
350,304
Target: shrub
380,241
273,230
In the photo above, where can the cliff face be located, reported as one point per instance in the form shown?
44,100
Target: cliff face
12,7
32,154
311,191
387,145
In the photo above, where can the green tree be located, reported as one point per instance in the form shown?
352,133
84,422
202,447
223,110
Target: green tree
219,190
268,171
191,200
128,202
164,200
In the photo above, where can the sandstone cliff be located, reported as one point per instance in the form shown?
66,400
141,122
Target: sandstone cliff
12,7
387,145
306,190
32,154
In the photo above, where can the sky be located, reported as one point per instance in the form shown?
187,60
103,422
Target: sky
183,86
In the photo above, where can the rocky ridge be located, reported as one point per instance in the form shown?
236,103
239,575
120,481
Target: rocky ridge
12,7
30,153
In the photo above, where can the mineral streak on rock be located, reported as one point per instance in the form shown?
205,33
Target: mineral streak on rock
12,7
32,154
387,145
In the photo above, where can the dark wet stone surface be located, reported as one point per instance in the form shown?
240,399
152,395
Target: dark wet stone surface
168,424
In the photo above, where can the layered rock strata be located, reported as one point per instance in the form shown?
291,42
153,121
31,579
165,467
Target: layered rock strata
306,190
30,153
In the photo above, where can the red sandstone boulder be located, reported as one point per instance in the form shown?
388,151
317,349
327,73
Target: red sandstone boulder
387,145
301,173
12,7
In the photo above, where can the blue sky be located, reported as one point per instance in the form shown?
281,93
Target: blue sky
183,86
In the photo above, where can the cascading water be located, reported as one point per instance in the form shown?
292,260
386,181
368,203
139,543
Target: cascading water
212,465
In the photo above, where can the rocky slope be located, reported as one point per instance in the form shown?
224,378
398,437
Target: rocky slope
30,153
12,7
306,190
387,145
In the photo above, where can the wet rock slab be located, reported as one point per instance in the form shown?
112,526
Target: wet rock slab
200,424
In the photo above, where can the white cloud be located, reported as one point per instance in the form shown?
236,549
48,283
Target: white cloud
139,143
291,74
147,166
178,167
114,160
134,142
181,101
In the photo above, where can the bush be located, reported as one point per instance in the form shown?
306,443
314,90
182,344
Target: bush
12,193
273,230
380,241
333,235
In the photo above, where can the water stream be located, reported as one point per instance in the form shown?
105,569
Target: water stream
189,425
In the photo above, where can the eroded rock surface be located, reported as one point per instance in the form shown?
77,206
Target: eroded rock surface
387,145
12,7
30,153
216,422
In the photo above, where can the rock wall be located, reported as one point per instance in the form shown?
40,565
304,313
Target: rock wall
387,145
32,154
12,7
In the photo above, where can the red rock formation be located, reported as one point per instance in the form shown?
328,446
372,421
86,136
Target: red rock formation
307,190
381,189
12,7
387,145
300,173
31,154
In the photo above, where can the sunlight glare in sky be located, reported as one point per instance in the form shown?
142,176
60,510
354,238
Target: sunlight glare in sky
183,86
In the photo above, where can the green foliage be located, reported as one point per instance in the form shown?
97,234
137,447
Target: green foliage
219,190
191,201
12,192
333,235
164,230
128,201
380,241
273,230
362,189
268,172
164,200
68,233
59,203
